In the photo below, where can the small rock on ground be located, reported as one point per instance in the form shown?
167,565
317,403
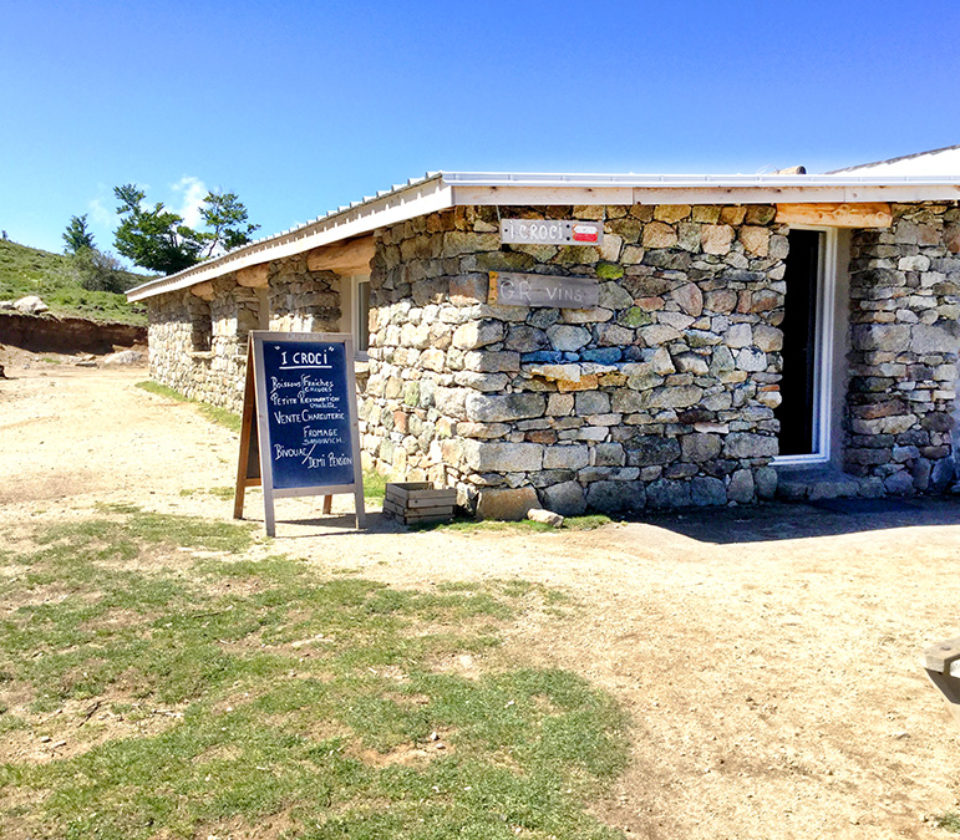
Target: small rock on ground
124,357
547,517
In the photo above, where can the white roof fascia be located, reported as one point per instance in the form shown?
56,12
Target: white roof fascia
443,190
558,179
536,188
676,194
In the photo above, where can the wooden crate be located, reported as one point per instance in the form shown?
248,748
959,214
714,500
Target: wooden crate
419,502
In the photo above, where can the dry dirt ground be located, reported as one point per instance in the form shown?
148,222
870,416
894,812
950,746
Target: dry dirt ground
769,658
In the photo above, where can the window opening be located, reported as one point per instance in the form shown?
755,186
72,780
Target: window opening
362,308
202,326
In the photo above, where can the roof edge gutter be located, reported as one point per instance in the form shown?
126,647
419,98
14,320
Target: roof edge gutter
443,190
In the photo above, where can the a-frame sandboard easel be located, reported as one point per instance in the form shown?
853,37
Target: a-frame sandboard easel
281,448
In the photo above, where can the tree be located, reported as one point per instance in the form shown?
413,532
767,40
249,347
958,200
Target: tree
77,236
225,215
153,237
156,238
101,272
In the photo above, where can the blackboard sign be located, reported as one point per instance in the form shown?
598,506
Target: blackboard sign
303,434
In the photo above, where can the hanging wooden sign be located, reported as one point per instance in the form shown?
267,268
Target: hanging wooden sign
513,289
550,232
299,433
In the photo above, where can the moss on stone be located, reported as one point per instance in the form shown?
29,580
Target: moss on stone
635,317
411,393
629,229
577,255
609,271
505,261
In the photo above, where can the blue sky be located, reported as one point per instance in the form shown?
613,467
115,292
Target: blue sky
301,107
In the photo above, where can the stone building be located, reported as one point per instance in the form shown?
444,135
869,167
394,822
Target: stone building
751,335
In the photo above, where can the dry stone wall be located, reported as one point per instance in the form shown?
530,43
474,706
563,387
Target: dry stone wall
193,346
661,396
302,300
905,302
198,345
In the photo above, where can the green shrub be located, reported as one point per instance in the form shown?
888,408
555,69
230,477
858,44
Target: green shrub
97,271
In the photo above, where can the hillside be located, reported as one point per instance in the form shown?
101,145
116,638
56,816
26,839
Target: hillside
31,271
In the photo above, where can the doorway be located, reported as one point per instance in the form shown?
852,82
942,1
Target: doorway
804,413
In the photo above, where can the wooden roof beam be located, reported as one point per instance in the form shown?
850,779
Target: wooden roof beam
343,258
204,291
254,277
855,215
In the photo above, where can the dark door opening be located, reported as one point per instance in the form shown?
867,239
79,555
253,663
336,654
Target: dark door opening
799,412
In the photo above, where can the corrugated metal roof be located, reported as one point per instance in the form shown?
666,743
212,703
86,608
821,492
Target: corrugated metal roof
341,209
299,238
932,162
440,190
943,160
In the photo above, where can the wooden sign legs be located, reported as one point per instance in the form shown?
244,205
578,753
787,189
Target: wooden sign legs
248,467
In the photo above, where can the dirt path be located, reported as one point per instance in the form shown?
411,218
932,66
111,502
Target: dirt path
769,658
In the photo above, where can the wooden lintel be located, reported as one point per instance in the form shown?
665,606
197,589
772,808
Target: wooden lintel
254,277
203,291
344,258
844,215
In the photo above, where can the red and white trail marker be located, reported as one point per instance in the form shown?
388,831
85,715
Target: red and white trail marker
586,233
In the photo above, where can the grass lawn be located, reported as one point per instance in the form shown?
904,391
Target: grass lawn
155,682
213,413
31,271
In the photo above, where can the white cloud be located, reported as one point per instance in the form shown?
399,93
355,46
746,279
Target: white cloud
101,211
102,208
99,214
191,191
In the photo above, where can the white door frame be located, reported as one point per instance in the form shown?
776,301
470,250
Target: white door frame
823,352
350,313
